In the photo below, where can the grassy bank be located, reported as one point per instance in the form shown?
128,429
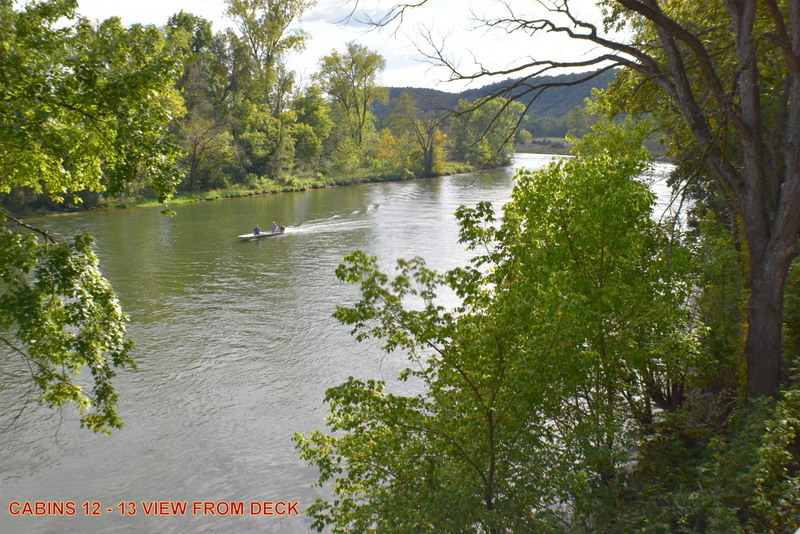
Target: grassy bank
264,186
294,184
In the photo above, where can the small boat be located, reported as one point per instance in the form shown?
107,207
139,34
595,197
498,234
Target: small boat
262,235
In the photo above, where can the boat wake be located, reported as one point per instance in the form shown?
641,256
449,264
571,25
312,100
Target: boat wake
318,228
355,220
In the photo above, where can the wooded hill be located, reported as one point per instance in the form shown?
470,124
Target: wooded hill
553,104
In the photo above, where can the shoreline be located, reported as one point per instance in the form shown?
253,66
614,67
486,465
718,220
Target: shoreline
298,185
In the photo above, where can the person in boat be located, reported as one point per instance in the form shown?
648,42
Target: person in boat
274,226
257,230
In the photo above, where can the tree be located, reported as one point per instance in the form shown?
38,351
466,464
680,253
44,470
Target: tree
208,145
103,90
313,125
261,83
547,126
524,137
351,80
422,127
203,131
730,71
741,102
191,31
482,132
266,34
83,108
579,122
268,141
571,337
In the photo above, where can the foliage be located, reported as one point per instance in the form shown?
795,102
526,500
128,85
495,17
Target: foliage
792,323
314,124
571,336
209,148
546,126
264,27
420,135
719,302
723,82
204,132
224,76
65,317
350,79
777,471
191,33
579,122
84,108
266,140
261,116
735,471
723,79
524,137
482,132
204,135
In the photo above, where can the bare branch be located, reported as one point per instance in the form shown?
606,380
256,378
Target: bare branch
49,237
395,15
590,33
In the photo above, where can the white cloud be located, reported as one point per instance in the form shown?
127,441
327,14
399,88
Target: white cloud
330,11
467,41
153,11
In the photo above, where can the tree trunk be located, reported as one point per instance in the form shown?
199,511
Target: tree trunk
427,161
765,322
771,216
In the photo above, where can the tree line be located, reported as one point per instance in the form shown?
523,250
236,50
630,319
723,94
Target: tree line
240,118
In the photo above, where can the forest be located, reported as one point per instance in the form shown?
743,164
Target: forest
240,123
602,371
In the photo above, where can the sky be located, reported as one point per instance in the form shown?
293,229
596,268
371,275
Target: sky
451,22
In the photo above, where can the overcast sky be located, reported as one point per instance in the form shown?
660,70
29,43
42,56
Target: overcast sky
450,21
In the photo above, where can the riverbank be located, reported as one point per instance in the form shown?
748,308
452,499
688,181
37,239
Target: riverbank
261,187
547,145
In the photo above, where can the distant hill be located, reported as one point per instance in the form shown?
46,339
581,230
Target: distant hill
554,102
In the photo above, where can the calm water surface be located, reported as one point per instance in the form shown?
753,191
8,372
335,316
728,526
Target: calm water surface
235,346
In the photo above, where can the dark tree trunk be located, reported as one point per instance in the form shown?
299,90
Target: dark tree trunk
765,323
427,161
766,185
735,79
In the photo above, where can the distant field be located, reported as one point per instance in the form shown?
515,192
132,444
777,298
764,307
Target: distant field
545,145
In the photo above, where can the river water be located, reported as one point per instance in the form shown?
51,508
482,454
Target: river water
235,346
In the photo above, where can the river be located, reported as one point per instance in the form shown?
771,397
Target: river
235,346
